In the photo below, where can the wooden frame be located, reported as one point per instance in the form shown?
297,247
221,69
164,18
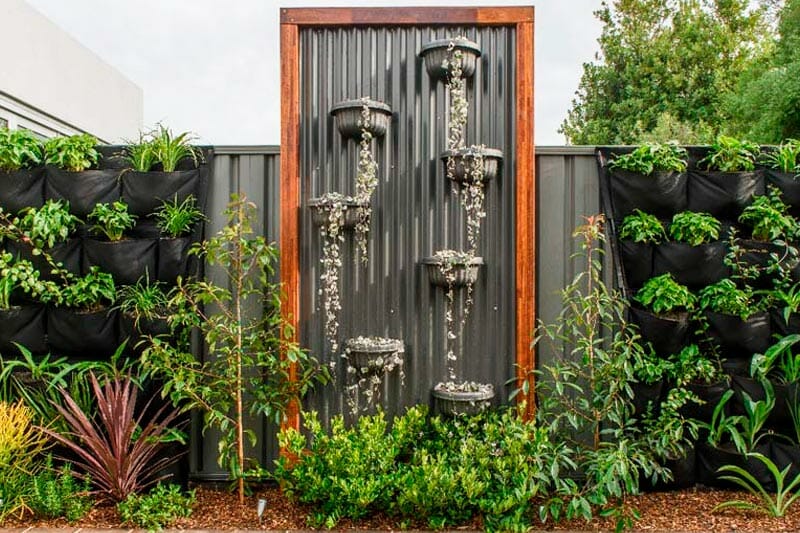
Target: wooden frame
292,20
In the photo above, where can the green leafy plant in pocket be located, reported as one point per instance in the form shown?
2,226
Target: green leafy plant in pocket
20,275
57,493
91,292
141,154
642,227
756,414
19,149
176,219
778,362
694,228
73,153
772,504
723,425
159,509
662,294
111,220
769,217
784,158
725,297
729,154
787,297
652,157
170,149
143,300
691,366
47,225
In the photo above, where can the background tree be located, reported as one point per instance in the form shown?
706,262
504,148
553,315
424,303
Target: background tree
665,68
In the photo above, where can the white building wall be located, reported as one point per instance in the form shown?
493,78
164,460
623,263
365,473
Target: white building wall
52,84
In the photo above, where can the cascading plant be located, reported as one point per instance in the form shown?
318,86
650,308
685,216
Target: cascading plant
364,378
334,206
366,182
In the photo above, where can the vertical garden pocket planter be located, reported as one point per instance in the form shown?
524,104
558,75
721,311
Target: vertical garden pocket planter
666,333
83,190
21,188
661,194
133,333
637,262
740,338
711,458
173,259
438,54
789,185
67,253
126,260
723,194
146,191
779,324
764,255
24,325
350,120
87,334
710,394
647,394
693,266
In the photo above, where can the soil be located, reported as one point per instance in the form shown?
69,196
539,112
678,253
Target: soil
686,510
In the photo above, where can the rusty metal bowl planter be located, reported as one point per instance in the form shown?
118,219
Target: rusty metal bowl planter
348,117
465,159
457,399
464,269
323,207
437,56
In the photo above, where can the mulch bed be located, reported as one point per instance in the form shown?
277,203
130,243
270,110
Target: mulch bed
687,510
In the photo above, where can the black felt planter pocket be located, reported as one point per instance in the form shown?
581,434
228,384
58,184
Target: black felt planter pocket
84,189
661,194
789,185
761,255
21,188
91,335
723,194
135,333
174,260
693,266
637,262
779,324
67,253
785,454
710,459
23,325
666,334
710,394
784,393
146,191
740,338
645,394
126,260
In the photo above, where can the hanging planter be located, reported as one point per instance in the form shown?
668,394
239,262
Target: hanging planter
723,194
362,114
173,259
335,209
369,355
667,333
144,192
452,269
126,260
77,332
661,193
439,54
67,253
83,190
133,333
637,262
21,188
22,325
740,338
789,185
475,163
693,266
456,399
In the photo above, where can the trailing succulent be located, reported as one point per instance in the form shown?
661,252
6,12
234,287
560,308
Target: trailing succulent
366,182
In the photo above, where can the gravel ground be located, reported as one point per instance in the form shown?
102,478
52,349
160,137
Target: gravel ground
687,510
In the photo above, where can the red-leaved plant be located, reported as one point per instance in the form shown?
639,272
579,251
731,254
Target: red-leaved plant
120,455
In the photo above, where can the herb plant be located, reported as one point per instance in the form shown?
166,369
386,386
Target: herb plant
728,154
111,220
176,219
787,296
253,365
774,505
652,157
159,509
694,228
785,158
91,292
47,225
19,149
74,153
662,294
642,227
170,149
57,493
118,449
725,297
769,217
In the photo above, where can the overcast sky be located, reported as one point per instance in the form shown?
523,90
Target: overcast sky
212,66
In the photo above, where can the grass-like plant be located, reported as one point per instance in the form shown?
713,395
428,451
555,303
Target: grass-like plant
170,149
728,154
19,149
785,157
143,300
652,157
772,504
140,155
642,227
175,218
694,228
73,153
117,448
662,294
112,220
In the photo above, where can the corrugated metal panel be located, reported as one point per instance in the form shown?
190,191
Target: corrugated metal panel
415,211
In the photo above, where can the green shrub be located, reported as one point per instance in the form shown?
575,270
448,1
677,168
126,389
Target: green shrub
725,297
57,493
769,217
642,227
161,508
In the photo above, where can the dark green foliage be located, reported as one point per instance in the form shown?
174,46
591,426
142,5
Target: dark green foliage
74,153
769,217
652,157
662,294
57,493
725,297
642,227
161,508
19,149
694,228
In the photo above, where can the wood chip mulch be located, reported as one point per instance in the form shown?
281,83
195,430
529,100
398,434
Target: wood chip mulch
686,510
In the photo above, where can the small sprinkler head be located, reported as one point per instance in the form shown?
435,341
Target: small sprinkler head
262,506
